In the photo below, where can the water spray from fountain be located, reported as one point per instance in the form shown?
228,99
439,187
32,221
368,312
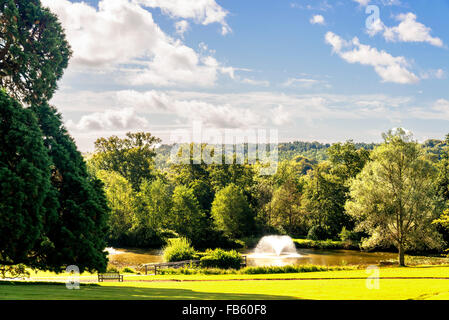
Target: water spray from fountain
276,246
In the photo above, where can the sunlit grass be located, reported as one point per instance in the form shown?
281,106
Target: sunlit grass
344,284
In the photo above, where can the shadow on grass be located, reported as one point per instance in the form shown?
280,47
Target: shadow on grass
16,291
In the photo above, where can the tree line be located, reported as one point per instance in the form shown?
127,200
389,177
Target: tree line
392,194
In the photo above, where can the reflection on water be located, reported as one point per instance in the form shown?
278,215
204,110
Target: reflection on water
322,257
121,258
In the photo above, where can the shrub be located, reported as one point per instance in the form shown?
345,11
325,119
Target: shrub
222,259
347,235
179,249
318,233
112,269
128,270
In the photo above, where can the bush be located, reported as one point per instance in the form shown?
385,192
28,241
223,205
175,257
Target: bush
346,235
318,233
128,270
112,269
179,249
221,259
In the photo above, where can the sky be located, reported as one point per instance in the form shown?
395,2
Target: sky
314,70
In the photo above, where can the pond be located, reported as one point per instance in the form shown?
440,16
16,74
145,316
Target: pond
121,258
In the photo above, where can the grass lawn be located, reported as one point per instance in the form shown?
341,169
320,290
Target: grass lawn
313,285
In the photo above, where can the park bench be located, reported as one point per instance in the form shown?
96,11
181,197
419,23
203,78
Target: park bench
110,276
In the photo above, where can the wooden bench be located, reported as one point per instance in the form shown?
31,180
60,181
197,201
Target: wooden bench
110,276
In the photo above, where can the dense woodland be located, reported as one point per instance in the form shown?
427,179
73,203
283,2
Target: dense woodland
383,195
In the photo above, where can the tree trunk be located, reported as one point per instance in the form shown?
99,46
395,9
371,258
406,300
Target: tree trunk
401,255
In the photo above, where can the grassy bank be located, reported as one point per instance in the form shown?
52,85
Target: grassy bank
325,244
394,283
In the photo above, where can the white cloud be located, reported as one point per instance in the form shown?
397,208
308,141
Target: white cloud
388,67
125,119
181,27
122,33
362,2
438,111
216,115
259,83
305,83
317,19
280,116
204,11
434,74
408,30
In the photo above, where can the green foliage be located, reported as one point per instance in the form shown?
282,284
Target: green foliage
221,259
324,244
128,270
26,198
76,232
34,51
231,212
348,235
154,202
13,271
318,232
179,249
132,157
121,201
186,217
288,269
393,197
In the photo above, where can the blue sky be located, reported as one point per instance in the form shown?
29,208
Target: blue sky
314,70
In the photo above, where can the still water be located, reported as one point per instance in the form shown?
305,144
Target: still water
135,257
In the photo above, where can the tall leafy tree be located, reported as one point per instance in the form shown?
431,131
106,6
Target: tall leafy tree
154,204
121,201
186,217
26,198
33,50
393,198
324,199
76,234
132,157
231,212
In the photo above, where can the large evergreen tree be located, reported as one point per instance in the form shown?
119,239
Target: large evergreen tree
33,50
24,182
76,235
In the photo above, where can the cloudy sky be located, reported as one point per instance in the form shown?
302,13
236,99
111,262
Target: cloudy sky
313,69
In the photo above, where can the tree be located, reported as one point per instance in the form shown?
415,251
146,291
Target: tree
121,201
25,197
76,234
33,51
347,161
186,217
285,210
155,202
232,213
324,199
132,157
393,197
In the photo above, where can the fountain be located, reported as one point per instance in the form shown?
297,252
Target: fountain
278,245
274,251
